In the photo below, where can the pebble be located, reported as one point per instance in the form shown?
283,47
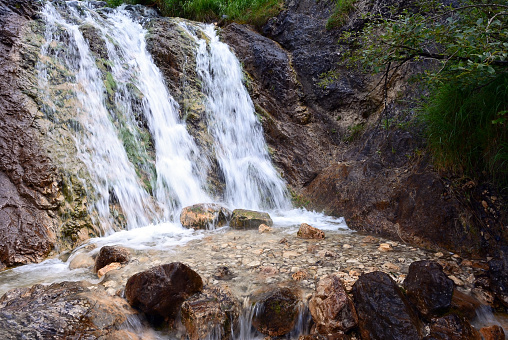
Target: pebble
385,247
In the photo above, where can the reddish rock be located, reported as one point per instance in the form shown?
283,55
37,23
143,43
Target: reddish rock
110,254
464,305
210,314
205,216
452,327
428,288
112,266
276,312
494,332
160,291
383,311
331,308
308,232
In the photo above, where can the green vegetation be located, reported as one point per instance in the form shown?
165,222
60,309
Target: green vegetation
255,12
355,131
340,13
465,49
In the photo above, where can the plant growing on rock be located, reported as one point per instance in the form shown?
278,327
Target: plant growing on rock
465,51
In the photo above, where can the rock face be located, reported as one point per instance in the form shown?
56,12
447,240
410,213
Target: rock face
331,308
249,219
160,291
276,312
428,288
309,232
67,310
110,254
205,216
494,332
210,314
383,311
452,327
29,191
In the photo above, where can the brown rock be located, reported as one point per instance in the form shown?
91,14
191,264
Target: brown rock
112,266
205,216
464,305
160,291
263,228
210,314
279,314
331,308
249,219
493,332
452,327
110,254
81,260
385,247
308,232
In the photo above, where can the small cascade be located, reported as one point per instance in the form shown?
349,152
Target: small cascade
251,180
96,138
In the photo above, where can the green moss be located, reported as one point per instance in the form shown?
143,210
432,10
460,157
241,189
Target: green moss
340,13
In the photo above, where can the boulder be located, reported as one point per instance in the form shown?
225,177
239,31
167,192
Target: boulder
276,312
205,216
428,288
210,314
67,310
383,311
493,332
110,254
331,308
249,219
309,232
160,291
81,260
452,327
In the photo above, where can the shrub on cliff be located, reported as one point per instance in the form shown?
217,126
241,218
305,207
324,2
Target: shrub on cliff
255,12
466,113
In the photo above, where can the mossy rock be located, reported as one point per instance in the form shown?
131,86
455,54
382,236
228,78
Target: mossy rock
249,219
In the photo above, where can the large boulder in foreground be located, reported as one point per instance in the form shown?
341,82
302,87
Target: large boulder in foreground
331,308
205,216
110,254
383,311
160,291
210,314
249,219
276,312
428,288
67,310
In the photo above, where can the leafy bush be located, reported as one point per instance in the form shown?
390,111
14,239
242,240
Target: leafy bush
466,50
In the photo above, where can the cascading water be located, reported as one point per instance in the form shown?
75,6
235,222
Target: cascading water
251,180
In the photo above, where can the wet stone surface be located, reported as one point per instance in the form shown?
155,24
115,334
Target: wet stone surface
255,260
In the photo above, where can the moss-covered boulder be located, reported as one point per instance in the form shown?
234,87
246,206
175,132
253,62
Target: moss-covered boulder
249,219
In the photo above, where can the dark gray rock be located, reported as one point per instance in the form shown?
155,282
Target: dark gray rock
428,288
383,311
452,327
110,254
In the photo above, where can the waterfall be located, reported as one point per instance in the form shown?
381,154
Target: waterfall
251,180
